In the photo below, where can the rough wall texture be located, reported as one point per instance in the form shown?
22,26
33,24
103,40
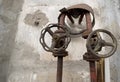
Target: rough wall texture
22,58
9,11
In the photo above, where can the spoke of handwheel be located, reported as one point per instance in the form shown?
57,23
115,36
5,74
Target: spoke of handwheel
104,43
98,35
49,31
53,44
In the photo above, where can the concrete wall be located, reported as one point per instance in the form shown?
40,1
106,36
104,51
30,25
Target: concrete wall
9,12
22,58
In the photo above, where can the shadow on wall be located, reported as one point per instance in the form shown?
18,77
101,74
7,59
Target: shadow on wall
9,11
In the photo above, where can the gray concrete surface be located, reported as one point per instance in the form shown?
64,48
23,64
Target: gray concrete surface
22,58
9,12
42,71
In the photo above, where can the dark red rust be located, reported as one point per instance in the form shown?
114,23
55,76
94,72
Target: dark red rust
61,19
59,40
93,74
85,7
89,26
76,11
88,21
92,65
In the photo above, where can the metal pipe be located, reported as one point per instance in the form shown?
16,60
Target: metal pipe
101,70
88,21
59,68
93,74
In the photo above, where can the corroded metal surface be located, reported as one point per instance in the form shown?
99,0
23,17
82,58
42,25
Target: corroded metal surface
96,60
101,70
93,73
102,43
60,41
60,38
76,11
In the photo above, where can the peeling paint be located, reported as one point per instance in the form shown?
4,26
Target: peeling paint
36,19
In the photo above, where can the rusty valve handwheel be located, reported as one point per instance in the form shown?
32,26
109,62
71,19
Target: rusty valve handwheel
102,43
55,36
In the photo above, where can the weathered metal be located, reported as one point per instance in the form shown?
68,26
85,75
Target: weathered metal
96,60
60,38
92,65
89,26
76,11
92,59
60,41
102,43
101,70
59,69
93,73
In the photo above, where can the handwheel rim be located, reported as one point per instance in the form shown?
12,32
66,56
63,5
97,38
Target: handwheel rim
100,55
45,46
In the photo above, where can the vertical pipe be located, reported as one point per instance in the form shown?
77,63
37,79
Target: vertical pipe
98,71
101,70
88,21
59,68
93,71
88,25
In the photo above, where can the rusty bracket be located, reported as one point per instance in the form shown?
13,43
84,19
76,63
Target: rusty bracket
90,57
79,10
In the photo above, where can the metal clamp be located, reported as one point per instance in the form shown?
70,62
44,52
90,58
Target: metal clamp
76,11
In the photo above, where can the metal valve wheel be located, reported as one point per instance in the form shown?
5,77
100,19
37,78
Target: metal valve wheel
100,43
60,35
